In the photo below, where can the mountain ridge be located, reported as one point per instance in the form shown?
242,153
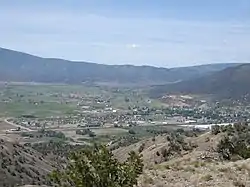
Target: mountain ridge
22,67
230,82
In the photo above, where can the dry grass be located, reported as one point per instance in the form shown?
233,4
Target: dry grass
207,177
22,165
193,169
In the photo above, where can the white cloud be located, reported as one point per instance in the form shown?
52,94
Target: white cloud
133,46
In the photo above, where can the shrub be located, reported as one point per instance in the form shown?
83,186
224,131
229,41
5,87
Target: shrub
239,183
164,153
97,167
131,131
215,129
92,134
168,138
83,131
237,145
153,139
207,177
225,148
241,127
181,131
167,167
157,153
142,147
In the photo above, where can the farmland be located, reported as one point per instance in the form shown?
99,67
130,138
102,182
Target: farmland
108,113
54,120
86,114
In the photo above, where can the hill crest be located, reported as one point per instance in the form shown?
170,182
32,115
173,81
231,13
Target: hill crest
22,67
230,82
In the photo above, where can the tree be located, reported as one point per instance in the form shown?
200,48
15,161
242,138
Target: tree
92,134
96,167
241,127
131,131
126,99
215,129
225,148
142,147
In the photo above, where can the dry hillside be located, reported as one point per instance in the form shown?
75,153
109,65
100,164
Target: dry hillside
174,159
22,165
198,165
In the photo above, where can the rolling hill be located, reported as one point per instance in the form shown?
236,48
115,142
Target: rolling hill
230,82
21,67
197,163
21,165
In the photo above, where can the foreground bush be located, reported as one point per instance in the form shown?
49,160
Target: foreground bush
96,167
236,142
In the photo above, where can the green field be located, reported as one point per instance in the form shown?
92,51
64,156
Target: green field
44,100
40,100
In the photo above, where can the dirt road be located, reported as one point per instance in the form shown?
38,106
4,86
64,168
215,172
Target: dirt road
18,126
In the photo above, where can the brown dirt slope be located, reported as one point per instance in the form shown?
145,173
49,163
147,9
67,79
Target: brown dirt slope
200,166
21,165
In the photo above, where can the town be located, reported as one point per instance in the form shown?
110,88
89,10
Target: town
83,115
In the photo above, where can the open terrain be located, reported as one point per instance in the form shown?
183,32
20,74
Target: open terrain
197,163
22,165
5,126
43,123
172,158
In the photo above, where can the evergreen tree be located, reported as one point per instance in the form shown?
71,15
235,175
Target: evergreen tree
96,167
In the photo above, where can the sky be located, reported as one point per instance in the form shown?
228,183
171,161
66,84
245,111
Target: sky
162,33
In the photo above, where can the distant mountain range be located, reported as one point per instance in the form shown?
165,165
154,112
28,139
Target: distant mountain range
21,67
230,82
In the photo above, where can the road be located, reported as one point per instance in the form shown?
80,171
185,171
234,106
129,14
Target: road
18,126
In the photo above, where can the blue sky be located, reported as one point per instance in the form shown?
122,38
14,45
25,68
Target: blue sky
166,33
